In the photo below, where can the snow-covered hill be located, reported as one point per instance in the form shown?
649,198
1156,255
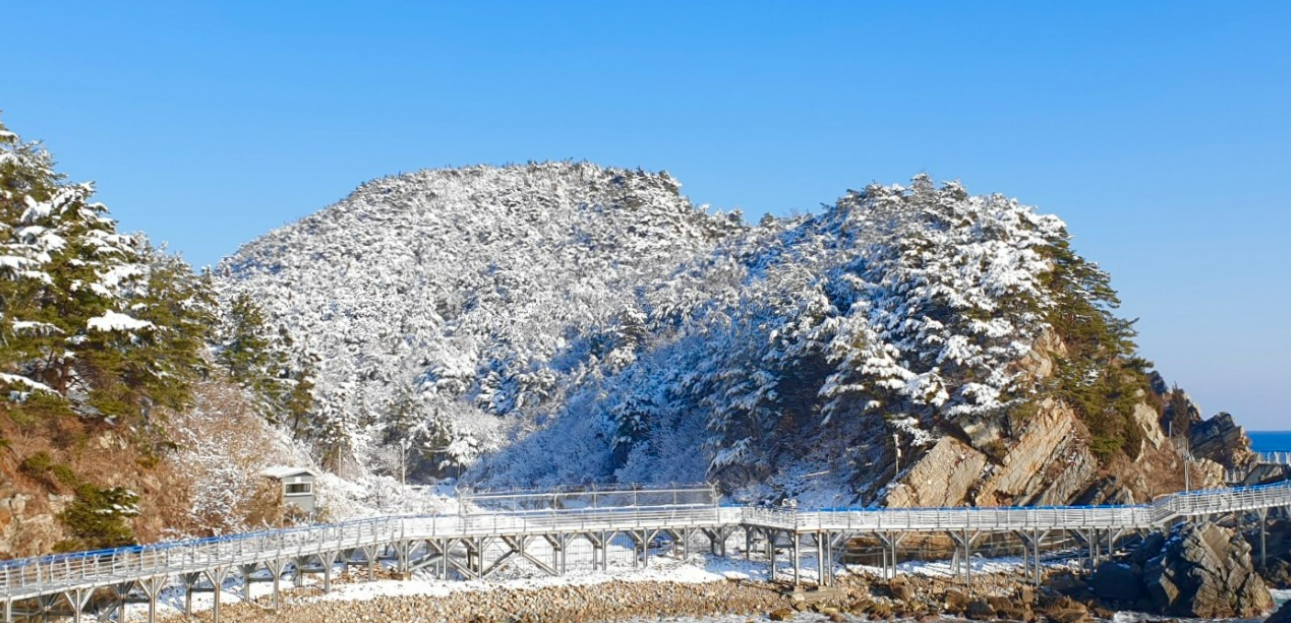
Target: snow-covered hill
557,323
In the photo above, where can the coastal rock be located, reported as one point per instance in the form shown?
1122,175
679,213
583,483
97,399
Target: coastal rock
1067,610
1205,571
942,478
1117,582
1221,440
1044,466
783,614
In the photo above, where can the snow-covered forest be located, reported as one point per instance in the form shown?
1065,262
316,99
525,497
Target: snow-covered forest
558,323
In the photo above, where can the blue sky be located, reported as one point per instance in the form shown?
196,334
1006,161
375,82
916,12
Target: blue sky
1158,131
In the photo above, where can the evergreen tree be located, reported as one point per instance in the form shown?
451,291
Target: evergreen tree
263,363
93,321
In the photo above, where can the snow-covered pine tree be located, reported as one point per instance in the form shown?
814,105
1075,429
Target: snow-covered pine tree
95,322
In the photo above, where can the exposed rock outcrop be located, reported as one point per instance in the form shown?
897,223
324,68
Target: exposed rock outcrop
1043,456
942,478
1221,440
1203,571
1047,465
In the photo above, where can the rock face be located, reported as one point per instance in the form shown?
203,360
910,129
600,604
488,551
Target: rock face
1047,465
942,478
1203,571
1221,440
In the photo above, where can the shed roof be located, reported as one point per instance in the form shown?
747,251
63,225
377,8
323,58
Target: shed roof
281,471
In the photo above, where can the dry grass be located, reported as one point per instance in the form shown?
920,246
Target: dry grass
222,448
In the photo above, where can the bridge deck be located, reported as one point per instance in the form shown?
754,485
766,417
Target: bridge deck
61,574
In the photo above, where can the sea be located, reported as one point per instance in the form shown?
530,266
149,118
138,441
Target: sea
1270,441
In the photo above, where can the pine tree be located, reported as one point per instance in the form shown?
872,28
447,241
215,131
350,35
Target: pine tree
257,359
93,321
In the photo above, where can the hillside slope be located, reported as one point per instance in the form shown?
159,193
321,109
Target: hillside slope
560,323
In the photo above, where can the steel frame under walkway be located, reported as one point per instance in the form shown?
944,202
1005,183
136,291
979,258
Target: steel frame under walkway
477,546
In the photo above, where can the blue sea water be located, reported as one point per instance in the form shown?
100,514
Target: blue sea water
1270,441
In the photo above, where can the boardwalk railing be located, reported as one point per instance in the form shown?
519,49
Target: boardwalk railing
47,575
1276,458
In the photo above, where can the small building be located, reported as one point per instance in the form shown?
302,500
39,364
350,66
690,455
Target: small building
297,485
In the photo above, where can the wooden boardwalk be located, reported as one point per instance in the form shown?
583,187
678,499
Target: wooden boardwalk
477,545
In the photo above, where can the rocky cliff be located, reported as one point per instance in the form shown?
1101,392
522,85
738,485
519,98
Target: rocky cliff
1045,458
1198,571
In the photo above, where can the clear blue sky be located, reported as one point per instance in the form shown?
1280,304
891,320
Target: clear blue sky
1158,131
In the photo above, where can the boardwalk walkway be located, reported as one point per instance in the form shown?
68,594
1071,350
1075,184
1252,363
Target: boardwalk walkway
476,545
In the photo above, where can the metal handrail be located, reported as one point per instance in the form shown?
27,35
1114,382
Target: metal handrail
47,574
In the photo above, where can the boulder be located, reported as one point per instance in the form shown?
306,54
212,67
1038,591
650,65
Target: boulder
1117,582
980,610
1205,571
955,601
901,590
1067,610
